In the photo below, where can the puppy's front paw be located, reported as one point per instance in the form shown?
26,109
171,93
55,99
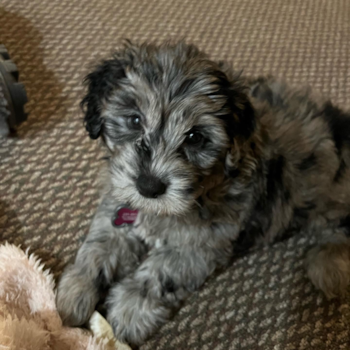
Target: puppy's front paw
76,297
133,314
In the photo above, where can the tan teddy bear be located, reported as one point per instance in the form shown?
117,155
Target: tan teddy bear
28,316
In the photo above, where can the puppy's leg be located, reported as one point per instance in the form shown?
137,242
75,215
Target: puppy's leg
328,265
141,303
107,254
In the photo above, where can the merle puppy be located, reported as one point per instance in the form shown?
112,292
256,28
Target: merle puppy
202,165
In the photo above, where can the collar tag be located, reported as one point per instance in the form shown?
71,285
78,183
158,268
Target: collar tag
124,216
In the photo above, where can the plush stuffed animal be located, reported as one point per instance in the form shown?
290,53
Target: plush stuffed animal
28,316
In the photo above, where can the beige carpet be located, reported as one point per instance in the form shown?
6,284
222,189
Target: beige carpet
47,173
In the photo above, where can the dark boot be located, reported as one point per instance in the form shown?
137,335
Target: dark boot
13,96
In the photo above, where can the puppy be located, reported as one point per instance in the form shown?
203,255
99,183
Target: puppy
202,165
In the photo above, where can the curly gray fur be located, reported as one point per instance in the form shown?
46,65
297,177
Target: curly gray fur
216,164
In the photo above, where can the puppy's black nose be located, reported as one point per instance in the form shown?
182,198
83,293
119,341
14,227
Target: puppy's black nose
150,186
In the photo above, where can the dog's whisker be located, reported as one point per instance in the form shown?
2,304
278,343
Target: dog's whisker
197,203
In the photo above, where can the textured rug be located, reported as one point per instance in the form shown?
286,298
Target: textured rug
47,172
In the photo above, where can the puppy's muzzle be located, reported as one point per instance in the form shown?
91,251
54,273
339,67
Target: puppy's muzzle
150,186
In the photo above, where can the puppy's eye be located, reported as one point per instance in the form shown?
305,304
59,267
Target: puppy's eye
194,138
135,122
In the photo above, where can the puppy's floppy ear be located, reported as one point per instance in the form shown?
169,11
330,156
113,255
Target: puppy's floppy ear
240,121
101,83
240,125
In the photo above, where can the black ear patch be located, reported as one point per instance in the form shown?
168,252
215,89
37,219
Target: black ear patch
240,121
243,109
101,83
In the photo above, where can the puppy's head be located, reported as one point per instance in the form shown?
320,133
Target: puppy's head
167,114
